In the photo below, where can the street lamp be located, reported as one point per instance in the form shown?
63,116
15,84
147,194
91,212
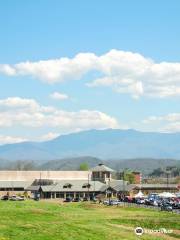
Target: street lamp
167,172
88,186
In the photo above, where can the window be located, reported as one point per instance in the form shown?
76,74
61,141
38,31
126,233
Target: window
86,185
67,185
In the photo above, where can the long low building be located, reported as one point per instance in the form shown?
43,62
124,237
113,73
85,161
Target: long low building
62,184
32,175
71,188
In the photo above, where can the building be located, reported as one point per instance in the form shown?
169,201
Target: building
62,184
101,173
137,177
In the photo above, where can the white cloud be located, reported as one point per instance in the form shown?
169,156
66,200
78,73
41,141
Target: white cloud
17,102
164,123
7,70
28,113
47,137
124,72
4,139
59,96
11,139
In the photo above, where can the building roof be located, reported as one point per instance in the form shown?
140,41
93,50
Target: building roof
154,186
114,182
118,185
101,168
14,184
75,186
33,188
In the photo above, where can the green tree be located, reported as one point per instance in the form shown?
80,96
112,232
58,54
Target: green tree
83,167
129,176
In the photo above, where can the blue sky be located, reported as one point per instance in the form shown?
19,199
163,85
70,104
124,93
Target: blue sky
136,85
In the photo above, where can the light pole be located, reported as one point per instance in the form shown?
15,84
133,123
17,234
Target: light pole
123,187
167,178
94,190
109,191
88,186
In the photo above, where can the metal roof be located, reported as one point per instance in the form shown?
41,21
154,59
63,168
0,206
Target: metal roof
76,186
101,168
14,184
147,186
118,186
33,188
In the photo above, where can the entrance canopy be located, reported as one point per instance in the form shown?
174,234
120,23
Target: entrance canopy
139,195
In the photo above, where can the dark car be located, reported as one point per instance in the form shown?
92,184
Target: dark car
94,199
176,205
68,199
77,199
85,199
5,197
166,207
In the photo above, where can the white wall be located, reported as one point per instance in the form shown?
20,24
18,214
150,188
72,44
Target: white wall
31,175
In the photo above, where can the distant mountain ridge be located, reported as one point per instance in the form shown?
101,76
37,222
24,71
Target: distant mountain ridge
104,144
145,166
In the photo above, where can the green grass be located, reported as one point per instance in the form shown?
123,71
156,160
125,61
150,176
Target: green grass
81,221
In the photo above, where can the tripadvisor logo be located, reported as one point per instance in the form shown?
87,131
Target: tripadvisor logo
139,231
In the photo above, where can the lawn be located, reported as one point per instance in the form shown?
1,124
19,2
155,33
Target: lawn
81,221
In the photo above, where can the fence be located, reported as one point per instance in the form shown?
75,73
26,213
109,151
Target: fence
156,208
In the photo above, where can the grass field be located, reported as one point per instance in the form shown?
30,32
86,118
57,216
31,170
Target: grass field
81,221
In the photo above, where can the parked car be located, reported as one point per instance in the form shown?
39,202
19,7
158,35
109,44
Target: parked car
166,207
68,199
106,202
20,198
147,201
94,199
155,203
37,196
111,202
77,199
176,205
13,198
140,200
114,202
151,202
85,199
5,197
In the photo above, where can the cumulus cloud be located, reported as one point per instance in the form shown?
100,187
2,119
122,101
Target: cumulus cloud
59,96
124,72
29,113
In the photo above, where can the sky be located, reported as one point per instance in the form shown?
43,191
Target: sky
68,66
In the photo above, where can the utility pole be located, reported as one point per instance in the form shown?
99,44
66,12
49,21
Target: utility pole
123,175
40,187
94,189
167,172
88,186
109,191
167,178
123,184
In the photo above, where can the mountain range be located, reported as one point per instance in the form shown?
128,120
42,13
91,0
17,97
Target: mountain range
104,144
